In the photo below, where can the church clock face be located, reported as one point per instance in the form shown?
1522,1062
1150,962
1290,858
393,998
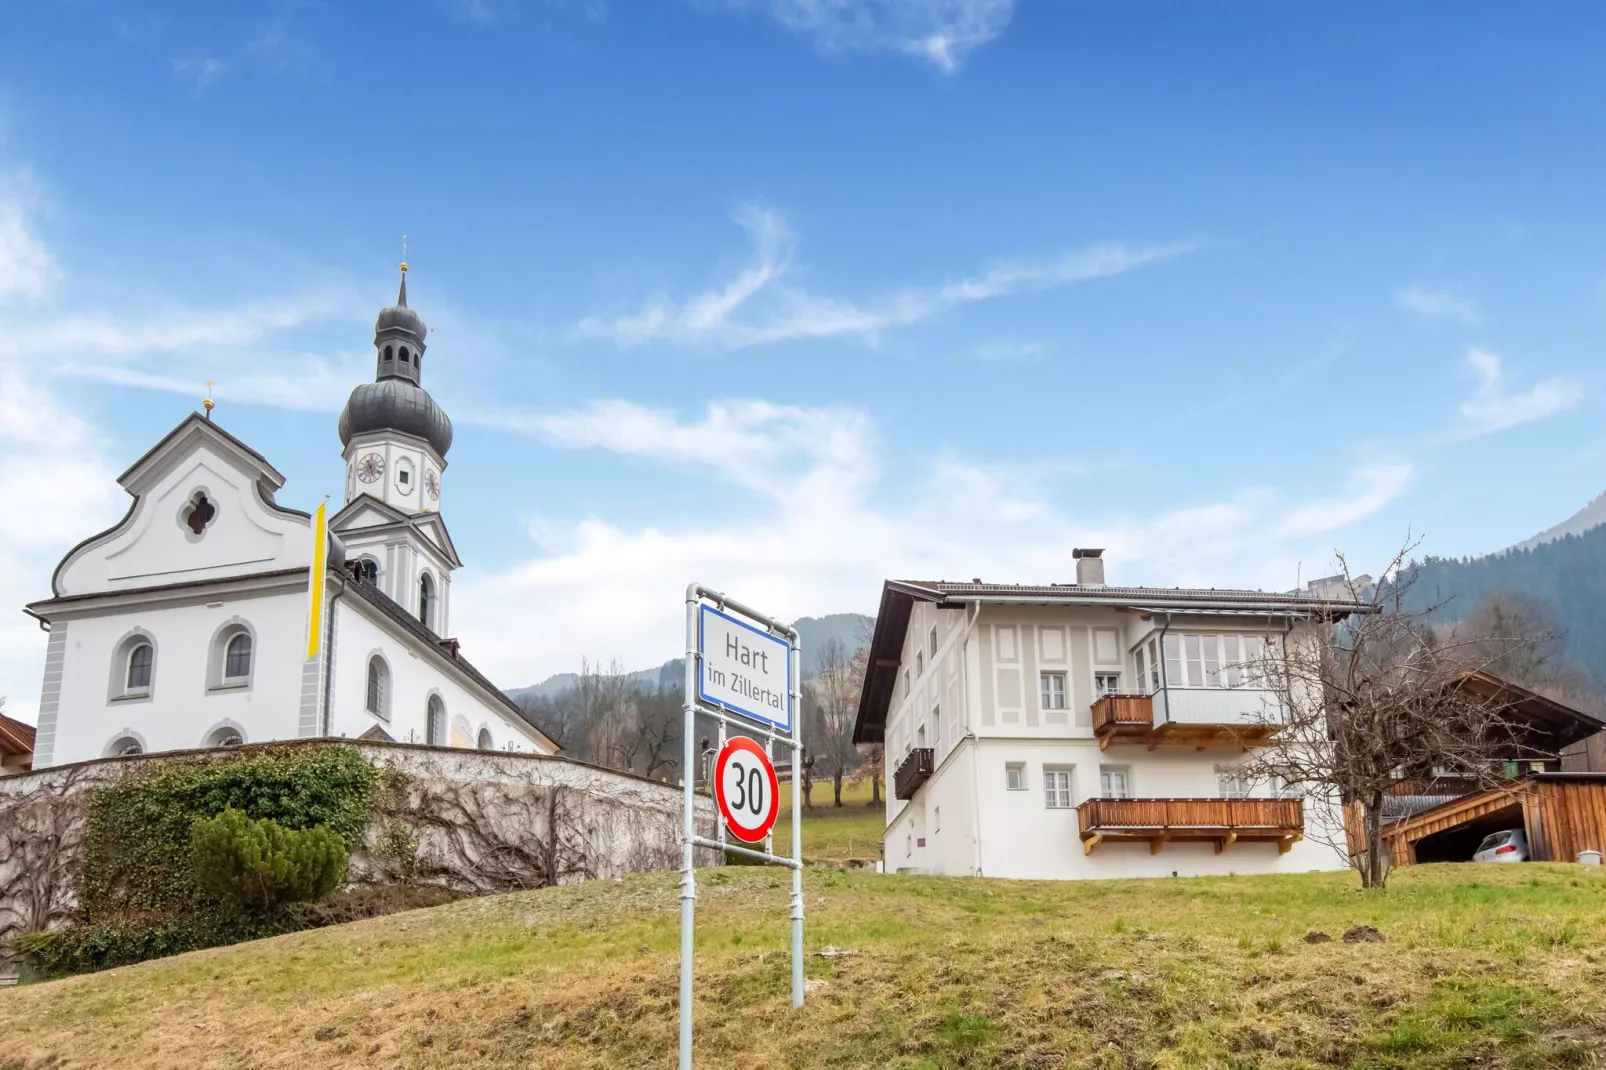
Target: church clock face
370,468
432,484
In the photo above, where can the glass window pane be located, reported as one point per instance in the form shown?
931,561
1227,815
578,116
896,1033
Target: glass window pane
1195,661
1212,661
1173,661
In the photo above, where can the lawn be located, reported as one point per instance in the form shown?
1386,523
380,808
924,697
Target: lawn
832,834
1477,967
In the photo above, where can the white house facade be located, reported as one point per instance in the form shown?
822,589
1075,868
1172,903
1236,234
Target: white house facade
185,625
1080,730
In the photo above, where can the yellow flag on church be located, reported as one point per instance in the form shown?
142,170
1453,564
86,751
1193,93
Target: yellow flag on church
320,560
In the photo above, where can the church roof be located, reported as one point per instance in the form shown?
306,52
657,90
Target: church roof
191,426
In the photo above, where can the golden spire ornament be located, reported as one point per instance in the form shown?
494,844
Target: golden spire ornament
209,404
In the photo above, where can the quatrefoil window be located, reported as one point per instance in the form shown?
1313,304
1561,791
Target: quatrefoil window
199,513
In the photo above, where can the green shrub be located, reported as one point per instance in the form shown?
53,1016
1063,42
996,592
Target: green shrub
104,945
137,835
260,865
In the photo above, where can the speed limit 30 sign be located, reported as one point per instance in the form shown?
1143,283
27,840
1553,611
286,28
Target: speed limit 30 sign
746,789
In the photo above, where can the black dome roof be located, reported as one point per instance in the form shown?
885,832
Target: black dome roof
396,405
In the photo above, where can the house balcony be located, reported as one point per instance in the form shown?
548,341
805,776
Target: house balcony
915,769
1218,821
1197,717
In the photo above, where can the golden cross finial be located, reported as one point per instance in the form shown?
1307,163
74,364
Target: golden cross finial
209,404
404,254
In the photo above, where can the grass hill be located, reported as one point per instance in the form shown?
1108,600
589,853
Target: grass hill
1491,966
1569,572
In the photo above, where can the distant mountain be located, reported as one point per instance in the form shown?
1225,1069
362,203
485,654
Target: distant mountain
1569,571
813,632
1592,515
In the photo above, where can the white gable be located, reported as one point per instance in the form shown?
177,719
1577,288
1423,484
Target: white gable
154,544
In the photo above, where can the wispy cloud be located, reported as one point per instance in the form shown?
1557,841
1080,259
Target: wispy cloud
759,307
1370,489
27,269
1439,305
1495,408
200,73
940,32
1011,351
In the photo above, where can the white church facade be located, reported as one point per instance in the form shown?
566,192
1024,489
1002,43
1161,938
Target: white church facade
186,624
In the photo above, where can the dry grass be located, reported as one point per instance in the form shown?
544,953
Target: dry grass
1480,967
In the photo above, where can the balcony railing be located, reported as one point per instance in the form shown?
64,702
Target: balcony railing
915,769
1216,705
1218,821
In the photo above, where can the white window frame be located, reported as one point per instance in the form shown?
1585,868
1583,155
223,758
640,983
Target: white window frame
934,642
1099,688
1015,776
1051,697
1058,789
1106,775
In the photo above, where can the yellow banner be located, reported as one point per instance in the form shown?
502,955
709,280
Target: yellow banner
320,555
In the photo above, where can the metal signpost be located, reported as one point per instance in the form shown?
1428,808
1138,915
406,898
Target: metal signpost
743,670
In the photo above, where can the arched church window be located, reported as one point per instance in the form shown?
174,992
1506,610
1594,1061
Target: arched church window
198,513
435,726
124,746
426,601
225,736
485,740
141,662
389,355
378,687
237,658
404,356
367,570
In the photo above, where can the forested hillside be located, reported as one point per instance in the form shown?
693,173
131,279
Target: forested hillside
1569,573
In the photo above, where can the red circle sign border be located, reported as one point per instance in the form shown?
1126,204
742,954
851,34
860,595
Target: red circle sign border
743,743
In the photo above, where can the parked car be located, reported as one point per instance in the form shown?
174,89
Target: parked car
1508,846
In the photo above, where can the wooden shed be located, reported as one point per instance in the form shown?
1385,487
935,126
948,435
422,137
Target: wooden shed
1562,814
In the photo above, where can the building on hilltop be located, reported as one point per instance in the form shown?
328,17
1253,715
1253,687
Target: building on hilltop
185,624
1082,730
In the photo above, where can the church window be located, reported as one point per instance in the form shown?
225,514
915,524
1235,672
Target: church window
404,354
126,745
368,570
378,687
435,727
225,735
199,513
390,354
141,661
237,659
426,601
485,740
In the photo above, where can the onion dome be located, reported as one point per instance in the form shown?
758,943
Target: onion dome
395,400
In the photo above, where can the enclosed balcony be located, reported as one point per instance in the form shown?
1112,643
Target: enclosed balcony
913,771
1222,822
1198,717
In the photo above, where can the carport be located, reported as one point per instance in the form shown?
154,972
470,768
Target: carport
1561,813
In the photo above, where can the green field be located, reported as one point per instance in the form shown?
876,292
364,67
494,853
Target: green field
1492,966
835,835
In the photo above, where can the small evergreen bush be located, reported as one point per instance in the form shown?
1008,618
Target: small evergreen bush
260,865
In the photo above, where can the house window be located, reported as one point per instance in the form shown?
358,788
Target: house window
1232,784
237,659
907,686
1115,782
1057,788
1015,776
141,664
378,687
1052,687
435,723
426,600
1107,683
936,819
1225,661
908,844
920,663
934,642
936,726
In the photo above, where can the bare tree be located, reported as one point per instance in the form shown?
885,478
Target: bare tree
1519,638
660,721
872,756
1364,707
836,693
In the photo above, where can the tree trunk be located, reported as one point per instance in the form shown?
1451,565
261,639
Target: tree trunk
808,790
1376,874
836,788
875,788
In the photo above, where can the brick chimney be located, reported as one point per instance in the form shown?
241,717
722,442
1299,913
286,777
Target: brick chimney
1089,567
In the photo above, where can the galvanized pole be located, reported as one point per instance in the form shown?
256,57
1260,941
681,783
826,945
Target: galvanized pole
797,823
688,862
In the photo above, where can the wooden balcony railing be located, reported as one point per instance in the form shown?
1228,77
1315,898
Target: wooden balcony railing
1218,821
915,769
1123,717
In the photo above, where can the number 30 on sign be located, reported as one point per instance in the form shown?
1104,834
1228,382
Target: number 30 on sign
746,788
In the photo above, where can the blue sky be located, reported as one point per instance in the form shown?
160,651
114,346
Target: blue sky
792,295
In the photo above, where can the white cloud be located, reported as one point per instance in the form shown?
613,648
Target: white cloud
798,524
759,307
1439,305
1010,351
200,73
1494,408
27,270
940,32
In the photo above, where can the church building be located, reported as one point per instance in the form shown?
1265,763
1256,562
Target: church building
186,624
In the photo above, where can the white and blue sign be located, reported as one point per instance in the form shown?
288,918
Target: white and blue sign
743,668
